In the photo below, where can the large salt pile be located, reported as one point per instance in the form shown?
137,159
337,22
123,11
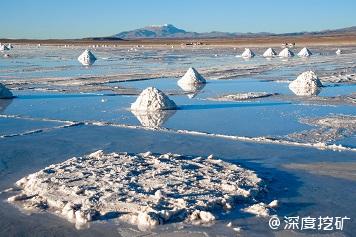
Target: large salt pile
5,93
306,84
144,189
87,58
248,53
3,47
305,52
338,51
286,53
152,99
191,77
269,53
10,46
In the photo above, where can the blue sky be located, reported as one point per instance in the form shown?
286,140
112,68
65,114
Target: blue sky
39,19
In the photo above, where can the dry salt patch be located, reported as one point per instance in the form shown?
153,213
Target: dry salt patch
143,189
248,53
306,84
191,77
5,93
87,58
152,99
269,53
242,96
304,53
286,53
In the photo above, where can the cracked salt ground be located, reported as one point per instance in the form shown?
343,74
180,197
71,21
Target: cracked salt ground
144,189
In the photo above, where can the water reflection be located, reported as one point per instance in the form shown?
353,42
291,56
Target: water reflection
192,89
4,103
153,119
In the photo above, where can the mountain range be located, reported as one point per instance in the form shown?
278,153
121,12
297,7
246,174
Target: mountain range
170,31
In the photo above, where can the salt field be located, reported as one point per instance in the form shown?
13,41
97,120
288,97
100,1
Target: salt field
186,140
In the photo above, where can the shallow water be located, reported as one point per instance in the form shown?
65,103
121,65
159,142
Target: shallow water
300,193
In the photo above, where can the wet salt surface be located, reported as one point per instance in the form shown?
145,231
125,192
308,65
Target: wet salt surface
302,192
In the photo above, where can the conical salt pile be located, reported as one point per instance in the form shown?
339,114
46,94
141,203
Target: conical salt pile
247,53
338,51
306,84
10,46
286,53
87,58
269,53
152,99
304,53
191,77
5,93
3,47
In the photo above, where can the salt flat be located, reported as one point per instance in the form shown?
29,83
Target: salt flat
63,109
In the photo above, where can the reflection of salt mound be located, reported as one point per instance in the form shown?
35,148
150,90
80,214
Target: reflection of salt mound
152,99
191,77
4,92
3,47
306,84
153,119
338,51
144,189
87,58
247,53
304,53
191,89
286,53
4,104
269,53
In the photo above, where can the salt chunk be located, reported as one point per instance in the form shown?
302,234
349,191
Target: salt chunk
148,219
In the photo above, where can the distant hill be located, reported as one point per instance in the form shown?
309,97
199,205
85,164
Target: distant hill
170,31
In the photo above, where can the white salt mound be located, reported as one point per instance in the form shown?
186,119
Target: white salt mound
269,53
338,51
306,84
3,47
247,53
144,189
87,58
304,53
5,93
191,77
152,99
286,53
